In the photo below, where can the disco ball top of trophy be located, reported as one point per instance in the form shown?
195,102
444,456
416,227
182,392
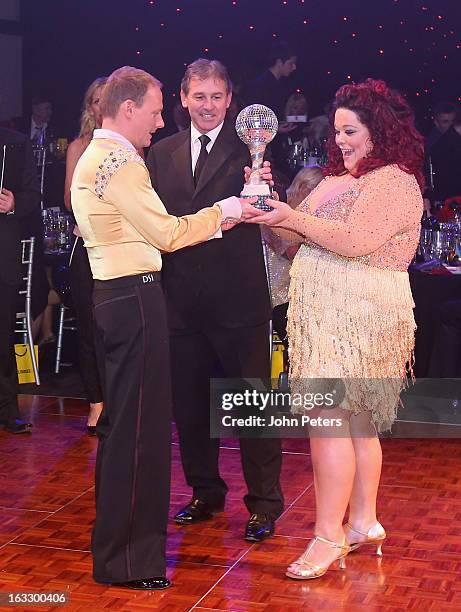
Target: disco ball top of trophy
256,124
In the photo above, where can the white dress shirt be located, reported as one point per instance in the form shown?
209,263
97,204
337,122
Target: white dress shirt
196,145
37,130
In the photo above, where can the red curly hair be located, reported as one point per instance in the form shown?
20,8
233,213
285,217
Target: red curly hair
390,121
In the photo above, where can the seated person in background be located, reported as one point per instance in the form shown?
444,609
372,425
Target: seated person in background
281,252
81,279
296,107
318,127
292,131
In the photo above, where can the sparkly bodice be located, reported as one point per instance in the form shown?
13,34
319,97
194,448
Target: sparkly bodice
374,219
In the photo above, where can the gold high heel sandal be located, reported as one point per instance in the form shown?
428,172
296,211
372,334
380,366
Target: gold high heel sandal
375,535
301,569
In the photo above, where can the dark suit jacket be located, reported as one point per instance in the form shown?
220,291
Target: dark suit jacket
22,124
222,280
266,89
21,178
445,152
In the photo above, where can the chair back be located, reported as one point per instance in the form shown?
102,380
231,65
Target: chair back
27,259
24,318
40,160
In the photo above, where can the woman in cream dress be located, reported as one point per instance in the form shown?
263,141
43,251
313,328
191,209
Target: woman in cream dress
350,318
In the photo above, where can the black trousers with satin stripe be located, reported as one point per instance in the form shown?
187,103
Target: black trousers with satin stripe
239,353
81,284
134,430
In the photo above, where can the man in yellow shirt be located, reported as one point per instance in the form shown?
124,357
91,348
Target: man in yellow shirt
125,227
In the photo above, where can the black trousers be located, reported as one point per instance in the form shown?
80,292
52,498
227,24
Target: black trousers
134,430
81,285
279,321
445,361
239,352
9,410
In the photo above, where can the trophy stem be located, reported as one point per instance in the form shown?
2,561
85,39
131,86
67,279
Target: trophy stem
257,155
257,159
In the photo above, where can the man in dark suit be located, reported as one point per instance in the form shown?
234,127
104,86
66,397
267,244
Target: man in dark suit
443,156
217,301
19,198
38,126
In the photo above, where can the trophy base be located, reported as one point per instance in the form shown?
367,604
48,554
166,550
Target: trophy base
262,192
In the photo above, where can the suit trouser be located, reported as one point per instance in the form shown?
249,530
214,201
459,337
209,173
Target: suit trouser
81,284
9,410
279,321
445,359
241,352
133,458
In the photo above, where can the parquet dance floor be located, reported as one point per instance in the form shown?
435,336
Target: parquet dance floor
46,511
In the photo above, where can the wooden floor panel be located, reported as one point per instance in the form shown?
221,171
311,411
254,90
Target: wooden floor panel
14,521
367,583
47,510
35,569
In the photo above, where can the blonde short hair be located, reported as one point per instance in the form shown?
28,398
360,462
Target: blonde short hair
304,182
123,84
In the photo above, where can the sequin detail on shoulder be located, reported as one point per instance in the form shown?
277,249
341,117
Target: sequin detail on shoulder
339,207
109,166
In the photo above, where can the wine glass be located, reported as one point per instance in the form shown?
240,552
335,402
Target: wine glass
425,244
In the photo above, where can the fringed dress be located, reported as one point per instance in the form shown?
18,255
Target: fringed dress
351,308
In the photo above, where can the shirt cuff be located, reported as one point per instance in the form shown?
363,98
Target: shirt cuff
231,208
217,234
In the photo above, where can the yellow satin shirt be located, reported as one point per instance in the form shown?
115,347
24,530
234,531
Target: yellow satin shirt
123,222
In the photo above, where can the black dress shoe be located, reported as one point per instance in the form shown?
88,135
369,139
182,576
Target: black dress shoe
18,426
195,512
145,584
258,528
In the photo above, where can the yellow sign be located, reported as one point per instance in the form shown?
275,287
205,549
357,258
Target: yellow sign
24,363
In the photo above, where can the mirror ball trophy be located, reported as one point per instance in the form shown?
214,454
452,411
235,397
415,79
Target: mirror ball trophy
256,125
